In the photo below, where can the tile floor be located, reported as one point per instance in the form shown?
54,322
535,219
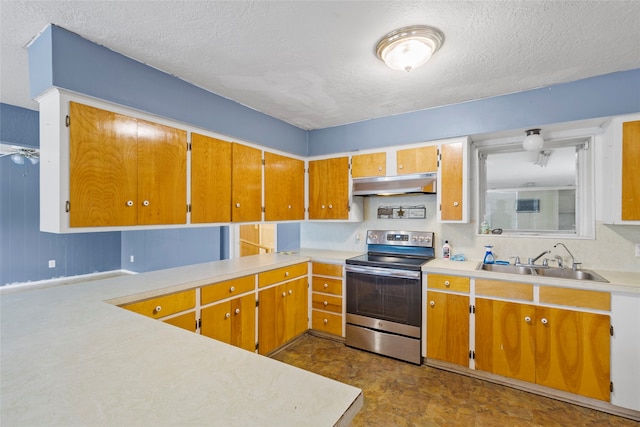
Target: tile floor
401,394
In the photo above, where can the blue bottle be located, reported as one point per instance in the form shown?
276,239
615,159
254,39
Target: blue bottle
488,255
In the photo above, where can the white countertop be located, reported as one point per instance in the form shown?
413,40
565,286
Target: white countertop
69,358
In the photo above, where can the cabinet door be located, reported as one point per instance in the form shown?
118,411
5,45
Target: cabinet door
283,187
374,164
185,321
630,172
270,315
298,306
505,338
210,179
329,188
216,322
243,322
162,174
448,327
416,160
246,187
451,174
573,351
103,168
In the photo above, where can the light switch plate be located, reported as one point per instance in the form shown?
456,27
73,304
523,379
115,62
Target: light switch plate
52,263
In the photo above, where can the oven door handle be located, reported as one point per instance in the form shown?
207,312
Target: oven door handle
388,272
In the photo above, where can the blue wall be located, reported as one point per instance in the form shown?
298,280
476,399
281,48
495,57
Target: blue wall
25,251
602,96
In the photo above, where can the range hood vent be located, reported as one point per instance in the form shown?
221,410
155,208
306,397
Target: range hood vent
394,185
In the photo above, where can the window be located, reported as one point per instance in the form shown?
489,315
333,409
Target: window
544,193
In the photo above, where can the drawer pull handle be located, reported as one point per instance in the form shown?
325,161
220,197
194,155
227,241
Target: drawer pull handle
432,303
330,206
145,203
232,289
284,294
226,316
456,204
129,203
446,283
527,319
379,168
322,207
326,285
400,167
289,206
325,321
237,311
237,205
290,291
325,303
286,274
544,321
157,309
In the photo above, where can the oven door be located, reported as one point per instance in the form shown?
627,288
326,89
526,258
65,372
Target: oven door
387,294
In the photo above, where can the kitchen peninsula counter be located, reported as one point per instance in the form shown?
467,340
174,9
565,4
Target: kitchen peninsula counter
69,357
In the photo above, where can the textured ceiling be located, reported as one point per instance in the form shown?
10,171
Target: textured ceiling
312,63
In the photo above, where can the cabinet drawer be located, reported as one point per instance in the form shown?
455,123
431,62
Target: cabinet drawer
185,321
326,322
575,298
449,283
327,302
228,288
502,289
164,305
326,285
281,274
323,269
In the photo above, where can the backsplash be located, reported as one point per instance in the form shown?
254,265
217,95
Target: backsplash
613,248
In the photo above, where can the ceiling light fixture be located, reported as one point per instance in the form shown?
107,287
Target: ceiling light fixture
409,47
533,141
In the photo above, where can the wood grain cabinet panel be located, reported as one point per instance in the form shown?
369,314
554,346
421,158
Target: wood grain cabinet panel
451,175
185,321
326,285
448,283
374,164
630,173
417,160
329,188
283,188
448,327
210,179
246,183
232,322
281,274
164,305
328,323
227,289
324,269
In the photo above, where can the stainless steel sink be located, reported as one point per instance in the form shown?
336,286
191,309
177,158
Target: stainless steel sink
565,273
559,273
498,268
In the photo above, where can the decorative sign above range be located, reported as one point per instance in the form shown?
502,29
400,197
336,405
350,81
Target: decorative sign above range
402,212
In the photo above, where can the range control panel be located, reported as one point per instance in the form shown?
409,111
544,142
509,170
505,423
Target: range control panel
400,238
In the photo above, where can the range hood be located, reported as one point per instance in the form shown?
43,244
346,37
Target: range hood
390,185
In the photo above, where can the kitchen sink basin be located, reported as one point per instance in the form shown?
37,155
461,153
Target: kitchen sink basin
559,273
565,273
498,268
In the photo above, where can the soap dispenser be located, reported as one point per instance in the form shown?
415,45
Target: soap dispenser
488,255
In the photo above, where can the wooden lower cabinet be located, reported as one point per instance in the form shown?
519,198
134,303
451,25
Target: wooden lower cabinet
282,314
232,322
563,349
185,321
326,298
448,327
164,305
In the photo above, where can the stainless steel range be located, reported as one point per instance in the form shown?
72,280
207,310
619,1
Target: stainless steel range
384,294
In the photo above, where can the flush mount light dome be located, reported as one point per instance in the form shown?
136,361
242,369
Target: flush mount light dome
409,47
533,141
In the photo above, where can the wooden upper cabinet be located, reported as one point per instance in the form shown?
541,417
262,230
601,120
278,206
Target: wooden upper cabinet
630,172
374,164
417,160
162,174
283,187
246,183
451,176
329,188
124,171
210,179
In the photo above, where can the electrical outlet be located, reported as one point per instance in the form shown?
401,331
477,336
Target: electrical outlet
52,263
638,249
131,259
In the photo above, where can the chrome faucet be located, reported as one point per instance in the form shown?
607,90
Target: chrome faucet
532,261
574,264
560,261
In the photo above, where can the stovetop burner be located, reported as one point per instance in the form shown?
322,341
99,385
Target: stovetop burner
408,250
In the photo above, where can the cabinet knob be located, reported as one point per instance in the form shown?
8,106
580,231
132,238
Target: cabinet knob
289,206
237,311
290,291
322,207
432,303
326,285
527,319
226,316
379,168
400,167
330,206
456,204
544,321
129,203
446,283
284,294
325,321
158,309
286,274
232,289
237,205
145,203
325,303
